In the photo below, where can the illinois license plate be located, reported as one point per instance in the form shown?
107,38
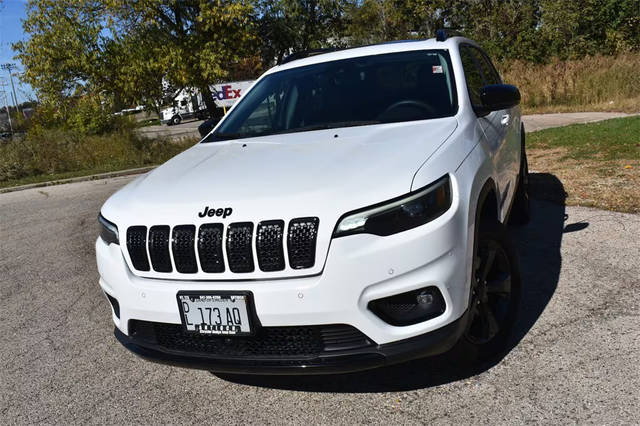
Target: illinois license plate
217,314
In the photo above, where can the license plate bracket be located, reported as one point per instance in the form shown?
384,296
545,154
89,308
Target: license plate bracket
217,313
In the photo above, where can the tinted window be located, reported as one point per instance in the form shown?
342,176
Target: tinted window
489,72
471,74
366,90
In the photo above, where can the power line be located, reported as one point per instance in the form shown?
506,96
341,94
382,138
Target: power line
8,67
6,104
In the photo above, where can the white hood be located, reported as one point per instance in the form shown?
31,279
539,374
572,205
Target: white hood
322,173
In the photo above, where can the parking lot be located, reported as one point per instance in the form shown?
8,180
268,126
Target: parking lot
573,359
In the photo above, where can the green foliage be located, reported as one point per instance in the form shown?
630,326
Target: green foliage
191,43
88,58
64,49
532,30
50,153
286,26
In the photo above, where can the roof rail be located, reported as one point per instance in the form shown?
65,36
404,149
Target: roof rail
306,54
444,33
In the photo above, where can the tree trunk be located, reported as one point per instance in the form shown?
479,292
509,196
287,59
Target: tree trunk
207,97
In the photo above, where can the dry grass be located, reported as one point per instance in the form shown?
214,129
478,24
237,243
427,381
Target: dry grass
598,83
598,163
608,184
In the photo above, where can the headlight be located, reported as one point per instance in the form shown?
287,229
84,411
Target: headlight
406,212
108,231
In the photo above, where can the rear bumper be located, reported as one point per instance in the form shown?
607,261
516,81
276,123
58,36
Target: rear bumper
373,356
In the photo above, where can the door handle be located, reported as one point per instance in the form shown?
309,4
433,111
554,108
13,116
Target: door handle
505,119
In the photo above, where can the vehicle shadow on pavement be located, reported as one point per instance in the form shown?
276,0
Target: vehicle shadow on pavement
539,245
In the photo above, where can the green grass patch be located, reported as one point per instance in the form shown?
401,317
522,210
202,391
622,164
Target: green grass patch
149,122
53,177
614,139
53,155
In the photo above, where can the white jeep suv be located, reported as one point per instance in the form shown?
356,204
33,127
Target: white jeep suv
347,213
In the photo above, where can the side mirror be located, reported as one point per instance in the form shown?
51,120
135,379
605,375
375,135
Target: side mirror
207,126
495,97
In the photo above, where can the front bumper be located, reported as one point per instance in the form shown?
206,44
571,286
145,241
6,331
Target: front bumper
357,270
345,361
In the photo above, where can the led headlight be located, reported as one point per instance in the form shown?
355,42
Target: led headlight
407,212
108,231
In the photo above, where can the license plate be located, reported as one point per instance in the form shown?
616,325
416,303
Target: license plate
216,314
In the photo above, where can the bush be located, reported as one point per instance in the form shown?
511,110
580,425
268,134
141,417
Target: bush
86,114
597,82
54,152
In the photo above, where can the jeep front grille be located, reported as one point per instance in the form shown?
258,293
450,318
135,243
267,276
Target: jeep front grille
182,245
159,248
210,247
302,242
137,246
239,250
193,249
269,245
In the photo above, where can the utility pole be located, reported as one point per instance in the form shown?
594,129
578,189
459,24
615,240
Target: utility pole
6,104
8,67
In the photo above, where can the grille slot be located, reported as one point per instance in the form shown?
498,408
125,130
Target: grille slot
301,242
210,247
159,248
137,246
182,245
268,341
239,250
269,245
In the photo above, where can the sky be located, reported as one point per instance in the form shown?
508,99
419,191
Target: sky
11,14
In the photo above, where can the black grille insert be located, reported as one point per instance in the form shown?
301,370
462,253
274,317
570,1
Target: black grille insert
301,242
137,246
159,248
210,247
239,251
269,245
182,245
268,341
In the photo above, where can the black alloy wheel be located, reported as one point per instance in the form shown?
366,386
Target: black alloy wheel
495,292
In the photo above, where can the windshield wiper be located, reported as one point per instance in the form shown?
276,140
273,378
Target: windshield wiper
228,136
333,125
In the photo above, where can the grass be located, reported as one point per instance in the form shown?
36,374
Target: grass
598,163
53,155
149,122
596,83
54,177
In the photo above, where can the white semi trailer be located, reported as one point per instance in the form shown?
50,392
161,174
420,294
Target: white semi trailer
190,104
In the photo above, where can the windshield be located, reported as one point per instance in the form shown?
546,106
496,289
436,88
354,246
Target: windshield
387,88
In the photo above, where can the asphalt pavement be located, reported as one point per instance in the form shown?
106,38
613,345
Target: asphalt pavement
573,358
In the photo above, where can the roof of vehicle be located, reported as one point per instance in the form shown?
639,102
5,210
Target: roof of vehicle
316,57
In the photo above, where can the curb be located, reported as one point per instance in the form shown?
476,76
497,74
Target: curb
98,176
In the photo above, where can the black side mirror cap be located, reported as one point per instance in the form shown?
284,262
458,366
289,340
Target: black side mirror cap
495,97
207,126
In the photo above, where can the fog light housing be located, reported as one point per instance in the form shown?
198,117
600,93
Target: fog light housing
114,304
409,308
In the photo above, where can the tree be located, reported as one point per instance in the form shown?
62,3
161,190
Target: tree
196,43
287,26
63,55
128,48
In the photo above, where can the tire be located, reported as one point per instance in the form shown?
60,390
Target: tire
495,295
521,208
175,120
